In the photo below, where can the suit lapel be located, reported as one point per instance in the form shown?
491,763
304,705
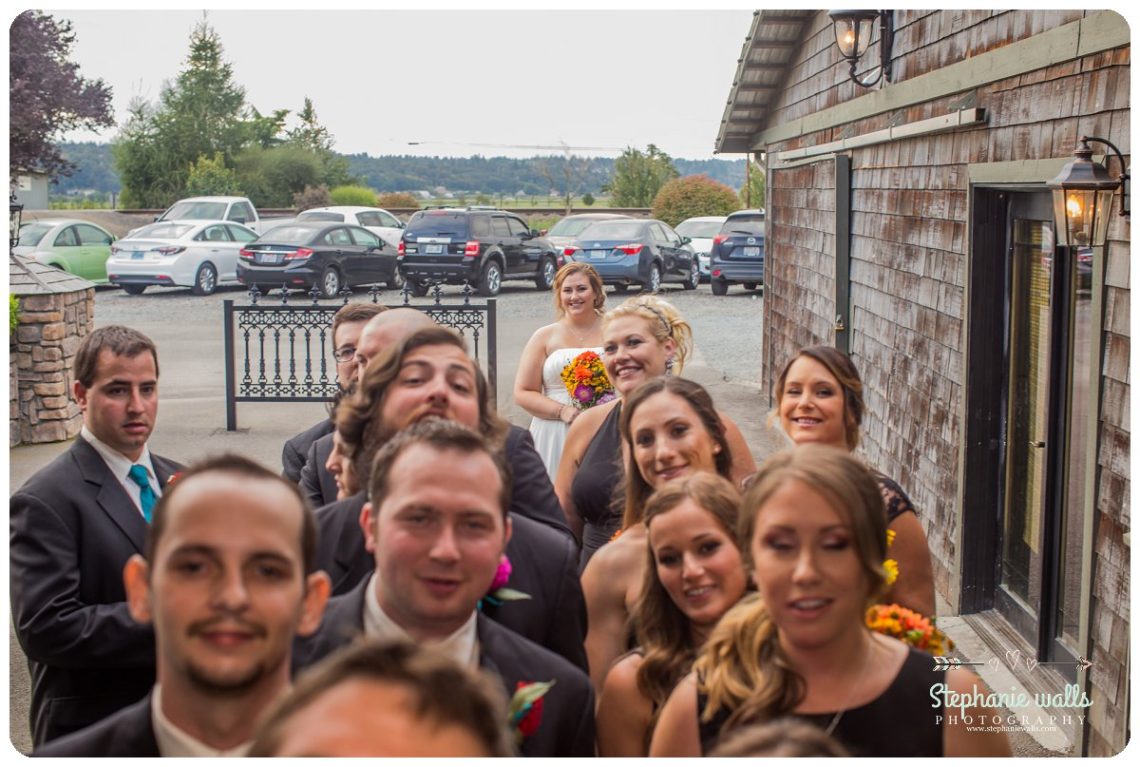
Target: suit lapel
349,549
110,495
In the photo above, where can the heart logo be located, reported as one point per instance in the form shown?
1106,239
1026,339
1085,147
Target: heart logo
1031,663
1012,658
993,663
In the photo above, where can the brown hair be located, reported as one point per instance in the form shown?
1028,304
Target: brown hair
636,488
358,420
595,279
843,369
662,629
782,738
442,691
439,435
119,340
743,667
664,322
238,465
354,312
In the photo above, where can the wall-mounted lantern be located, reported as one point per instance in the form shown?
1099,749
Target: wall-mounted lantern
1082,196
853,30
15,210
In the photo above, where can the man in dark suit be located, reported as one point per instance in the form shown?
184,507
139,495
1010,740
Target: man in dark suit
532,494
438,525
227,582
73,526
347,324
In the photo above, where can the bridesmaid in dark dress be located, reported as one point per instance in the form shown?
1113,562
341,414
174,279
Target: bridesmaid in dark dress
813,527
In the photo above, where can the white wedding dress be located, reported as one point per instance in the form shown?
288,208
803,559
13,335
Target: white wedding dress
550,435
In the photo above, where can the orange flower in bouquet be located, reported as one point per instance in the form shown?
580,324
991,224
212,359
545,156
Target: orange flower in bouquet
586,380
910,627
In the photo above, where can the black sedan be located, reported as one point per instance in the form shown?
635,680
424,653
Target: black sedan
331,256
637,252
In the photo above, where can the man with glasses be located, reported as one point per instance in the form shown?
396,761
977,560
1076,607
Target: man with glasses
347,325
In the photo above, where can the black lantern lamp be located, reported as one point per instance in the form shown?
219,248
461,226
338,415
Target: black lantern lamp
1082,196
15,210
853,30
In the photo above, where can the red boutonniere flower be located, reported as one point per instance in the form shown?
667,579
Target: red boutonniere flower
525,710
173,478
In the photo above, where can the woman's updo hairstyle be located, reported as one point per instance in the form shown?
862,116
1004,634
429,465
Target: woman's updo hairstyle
665,323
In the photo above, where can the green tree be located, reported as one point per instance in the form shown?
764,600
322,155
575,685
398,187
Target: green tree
210,176
691,196
638,176
314,137
588,199
754,197
272,176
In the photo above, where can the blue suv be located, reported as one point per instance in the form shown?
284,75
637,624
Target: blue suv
737,254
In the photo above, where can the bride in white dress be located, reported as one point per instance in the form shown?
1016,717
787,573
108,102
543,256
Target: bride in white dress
579,298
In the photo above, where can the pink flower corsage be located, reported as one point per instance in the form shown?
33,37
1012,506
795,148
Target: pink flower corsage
498,592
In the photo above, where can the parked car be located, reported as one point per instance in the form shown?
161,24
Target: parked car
221,208
474,245
737,254
194,254
376,220
331,256
75,246
634,251
566,231
701,230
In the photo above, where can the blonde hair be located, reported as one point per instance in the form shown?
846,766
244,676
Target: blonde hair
664,321
743,667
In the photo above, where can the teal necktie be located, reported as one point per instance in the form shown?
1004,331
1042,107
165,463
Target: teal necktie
147,497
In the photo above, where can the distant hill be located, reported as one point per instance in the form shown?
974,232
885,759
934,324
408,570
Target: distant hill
406,173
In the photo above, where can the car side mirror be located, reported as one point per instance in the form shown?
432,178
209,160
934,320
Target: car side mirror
686,240
239,219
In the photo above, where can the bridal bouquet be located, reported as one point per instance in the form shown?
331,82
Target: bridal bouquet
586,381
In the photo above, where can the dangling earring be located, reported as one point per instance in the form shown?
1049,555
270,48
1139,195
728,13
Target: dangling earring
668,366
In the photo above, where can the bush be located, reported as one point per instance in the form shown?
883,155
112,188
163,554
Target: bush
691,196
312,197
588,199
351,194
210,176
272,176
396,200
13,318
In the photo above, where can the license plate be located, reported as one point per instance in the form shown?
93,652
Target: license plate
433,248
136,255
598,255
270,258
753,252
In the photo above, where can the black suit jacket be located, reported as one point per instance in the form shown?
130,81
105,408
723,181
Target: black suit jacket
532,494
129,732
294,453
567,724
544,564
72,528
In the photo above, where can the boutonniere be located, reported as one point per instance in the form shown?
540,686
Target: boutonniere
173,478
525,712
499,593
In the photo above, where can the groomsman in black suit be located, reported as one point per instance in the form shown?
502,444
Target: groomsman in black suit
347,324
73,526
532,495
227,583
430,373
438,526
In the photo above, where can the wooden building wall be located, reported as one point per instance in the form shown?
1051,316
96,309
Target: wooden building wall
909,260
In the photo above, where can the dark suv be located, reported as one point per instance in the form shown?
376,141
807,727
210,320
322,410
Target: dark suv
478,246
737,253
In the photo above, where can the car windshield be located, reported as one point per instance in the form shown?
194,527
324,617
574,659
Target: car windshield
570,227
320,215
161,231
195,211
613,230
706,229
31,234
751,224
290,234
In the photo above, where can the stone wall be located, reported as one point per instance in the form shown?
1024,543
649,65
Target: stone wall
51,329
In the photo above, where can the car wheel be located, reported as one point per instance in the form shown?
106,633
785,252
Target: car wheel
621,287
719,287
205,281
134,290
397,281
653,284
694,278
330,282
544,280
419,289
490,279
750,286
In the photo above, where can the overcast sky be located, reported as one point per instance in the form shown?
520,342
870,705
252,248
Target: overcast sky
490,82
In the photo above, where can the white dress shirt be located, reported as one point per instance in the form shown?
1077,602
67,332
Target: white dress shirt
176,742
463,645
120,465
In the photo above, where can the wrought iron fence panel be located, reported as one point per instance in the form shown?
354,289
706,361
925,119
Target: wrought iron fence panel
283,352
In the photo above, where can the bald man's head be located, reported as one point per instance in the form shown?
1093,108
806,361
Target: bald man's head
386,330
